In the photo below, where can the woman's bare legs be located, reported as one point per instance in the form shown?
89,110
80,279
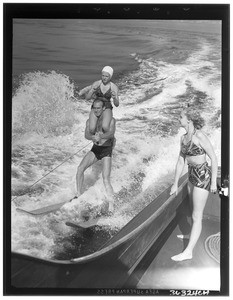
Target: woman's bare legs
107,118
190,193
199,197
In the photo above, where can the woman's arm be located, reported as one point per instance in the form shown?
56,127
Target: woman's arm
84,90
207,146
115,96
92,90
178,171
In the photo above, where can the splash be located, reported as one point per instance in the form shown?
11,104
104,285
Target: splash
43,104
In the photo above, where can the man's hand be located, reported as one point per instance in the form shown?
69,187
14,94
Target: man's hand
97,137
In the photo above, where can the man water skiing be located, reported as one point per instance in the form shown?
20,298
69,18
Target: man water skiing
103,143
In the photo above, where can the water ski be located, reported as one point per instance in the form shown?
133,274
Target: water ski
89,220
44,210
84,224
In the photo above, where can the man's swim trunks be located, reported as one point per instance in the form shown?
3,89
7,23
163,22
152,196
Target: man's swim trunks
200,175
104,150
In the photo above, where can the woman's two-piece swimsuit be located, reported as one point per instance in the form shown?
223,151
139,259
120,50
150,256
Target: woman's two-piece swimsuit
199,174
105,96
104,150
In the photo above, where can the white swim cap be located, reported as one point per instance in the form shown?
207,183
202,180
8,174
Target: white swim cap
109,70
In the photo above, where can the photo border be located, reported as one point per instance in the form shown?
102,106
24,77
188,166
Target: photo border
111,11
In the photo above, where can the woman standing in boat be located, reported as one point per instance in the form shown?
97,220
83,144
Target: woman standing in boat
202,179
105,89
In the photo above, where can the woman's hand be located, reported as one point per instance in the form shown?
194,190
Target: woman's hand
174,189
93,89
213,188
113,94
115,98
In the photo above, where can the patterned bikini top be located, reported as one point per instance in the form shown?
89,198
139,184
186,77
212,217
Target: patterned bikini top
191,149
106,95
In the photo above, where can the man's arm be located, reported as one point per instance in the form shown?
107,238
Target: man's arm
88,135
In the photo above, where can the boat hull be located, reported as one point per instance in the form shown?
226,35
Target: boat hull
115,263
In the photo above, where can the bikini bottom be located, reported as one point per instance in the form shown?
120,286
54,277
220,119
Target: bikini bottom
200,175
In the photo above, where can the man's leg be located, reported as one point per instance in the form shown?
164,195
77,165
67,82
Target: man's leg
107,164
88,160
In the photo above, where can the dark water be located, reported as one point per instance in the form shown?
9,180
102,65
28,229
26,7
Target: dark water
80,48
82,242
159,66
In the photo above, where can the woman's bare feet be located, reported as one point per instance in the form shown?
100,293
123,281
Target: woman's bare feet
182,256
